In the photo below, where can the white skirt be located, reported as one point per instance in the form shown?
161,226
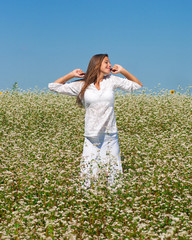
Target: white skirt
101,158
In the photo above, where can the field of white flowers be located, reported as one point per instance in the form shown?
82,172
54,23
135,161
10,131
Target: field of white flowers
41,141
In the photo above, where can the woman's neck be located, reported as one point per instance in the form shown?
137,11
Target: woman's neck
100,78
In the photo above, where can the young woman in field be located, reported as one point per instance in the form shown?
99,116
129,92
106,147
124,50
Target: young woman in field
95,91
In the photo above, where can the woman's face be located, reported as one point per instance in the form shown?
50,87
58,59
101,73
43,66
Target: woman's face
105,66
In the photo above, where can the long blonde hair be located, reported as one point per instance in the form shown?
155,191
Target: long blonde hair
91,74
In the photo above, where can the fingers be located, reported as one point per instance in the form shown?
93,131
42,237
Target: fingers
115,69
79,73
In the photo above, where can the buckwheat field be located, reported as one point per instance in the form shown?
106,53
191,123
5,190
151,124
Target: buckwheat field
41,141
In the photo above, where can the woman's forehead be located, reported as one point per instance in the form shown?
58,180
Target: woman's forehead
106,58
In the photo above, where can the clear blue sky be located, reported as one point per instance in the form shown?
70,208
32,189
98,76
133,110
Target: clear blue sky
42,40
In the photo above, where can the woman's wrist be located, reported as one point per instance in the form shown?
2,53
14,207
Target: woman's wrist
71,75
123,71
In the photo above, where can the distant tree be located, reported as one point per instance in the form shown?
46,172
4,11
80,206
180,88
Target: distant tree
15,86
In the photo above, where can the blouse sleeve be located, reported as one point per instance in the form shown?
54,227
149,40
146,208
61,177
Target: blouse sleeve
124,84
71,89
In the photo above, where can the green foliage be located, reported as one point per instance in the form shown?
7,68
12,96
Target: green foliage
15,87
40,150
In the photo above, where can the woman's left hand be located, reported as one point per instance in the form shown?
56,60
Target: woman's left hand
116,69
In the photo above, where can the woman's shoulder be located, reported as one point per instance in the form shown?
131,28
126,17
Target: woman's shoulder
109,77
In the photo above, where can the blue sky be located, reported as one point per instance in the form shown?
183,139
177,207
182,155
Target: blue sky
44,40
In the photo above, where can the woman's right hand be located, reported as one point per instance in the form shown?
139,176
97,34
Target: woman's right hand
78,73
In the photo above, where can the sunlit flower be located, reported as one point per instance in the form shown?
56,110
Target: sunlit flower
172,91
0,92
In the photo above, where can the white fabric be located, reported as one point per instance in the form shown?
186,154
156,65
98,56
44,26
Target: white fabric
101,157
99,104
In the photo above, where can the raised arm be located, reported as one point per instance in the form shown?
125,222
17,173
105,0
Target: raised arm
119,69
75,73
72,88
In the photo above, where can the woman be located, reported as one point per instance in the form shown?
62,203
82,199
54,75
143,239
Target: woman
95,91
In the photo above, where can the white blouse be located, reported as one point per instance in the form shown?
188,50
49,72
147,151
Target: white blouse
99,104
